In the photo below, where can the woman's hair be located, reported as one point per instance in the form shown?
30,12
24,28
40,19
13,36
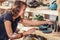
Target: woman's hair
18,5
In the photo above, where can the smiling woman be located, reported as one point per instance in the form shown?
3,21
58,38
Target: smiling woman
8,22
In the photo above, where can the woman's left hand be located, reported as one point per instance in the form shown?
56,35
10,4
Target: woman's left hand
29,31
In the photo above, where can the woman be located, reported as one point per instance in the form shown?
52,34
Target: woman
10,19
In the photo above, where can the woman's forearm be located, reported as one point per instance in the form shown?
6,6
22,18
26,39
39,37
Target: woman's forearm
9,31
34,22
37,23
15,36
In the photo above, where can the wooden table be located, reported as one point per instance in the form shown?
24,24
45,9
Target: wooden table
50,36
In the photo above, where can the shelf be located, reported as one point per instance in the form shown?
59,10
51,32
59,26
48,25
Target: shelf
43,10
4,7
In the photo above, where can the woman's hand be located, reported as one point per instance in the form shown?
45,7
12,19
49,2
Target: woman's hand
29,31
50,22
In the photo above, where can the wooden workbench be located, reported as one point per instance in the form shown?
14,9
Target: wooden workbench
49,36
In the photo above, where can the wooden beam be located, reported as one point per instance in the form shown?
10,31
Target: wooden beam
58,9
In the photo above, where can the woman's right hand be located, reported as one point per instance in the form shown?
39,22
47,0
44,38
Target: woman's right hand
29,31
50,22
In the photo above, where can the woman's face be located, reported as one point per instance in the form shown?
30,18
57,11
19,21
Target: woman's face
21,13
22,10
